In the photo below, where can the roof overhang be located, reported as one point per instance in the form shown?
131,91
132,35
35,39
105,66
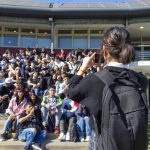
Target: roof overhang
72,13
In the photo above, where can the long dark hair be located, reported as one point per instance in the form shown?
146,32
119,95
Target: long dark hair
117,41
17,97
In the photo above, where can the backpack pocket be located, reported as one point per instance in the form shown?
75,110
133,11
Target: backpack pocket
128,131
120,133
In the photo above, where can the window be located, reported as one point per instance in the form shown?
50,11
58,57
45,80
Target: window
65,42
28,41
95,42
80,42
44,42
96,32
80,31
64,31
29,31
12,30
10,40
44,32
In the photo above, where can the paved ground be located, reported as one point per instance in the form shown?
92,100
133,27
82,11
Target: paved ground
51,143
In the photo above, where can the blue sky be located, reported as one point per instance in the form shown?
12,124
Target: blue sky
77,1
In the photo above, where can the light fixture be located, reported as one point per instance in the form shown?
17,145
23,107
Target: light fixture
100,31
15,31
31,32
141,27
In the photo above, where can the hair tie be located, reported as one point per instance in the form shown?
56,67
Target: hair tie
116,52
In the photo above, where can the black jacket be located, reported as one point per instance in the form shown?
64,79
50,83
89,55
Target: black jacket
88,90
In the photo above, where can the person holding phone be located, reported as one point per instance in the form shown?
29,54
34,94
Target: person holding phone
118,52
31,128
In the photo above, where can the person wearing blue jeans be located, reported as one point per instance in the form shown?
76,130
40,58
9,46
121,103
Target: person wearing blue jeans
8,123
51,106
15,107
32,135
31,128
83,121
48,112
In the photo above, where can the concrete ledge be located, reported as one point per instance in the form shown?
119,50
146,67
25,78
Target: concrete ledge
49,144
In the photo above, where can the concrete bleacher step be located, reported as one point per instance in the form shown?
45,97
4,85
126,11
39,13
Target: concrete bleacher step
51,143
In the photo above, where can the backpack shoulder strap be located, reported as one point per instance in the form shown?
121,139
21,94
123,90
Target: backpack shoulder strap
105,76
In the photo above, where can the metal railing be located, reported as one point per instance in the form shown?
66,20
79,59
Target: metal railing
142,55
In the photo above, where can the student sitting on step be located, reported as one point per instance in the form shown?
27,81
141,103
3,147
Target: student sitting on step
83,121
68,118
51,107
31,128
16,107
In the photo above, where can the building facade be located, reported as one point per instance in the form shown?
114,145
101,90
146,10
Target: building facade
71,25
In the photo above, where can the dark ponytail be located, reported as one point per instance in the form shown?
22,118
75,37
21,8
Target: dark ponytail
127,54
117,41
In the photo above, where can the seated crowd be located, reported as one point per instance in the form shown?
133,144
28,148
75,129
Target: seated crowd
33,94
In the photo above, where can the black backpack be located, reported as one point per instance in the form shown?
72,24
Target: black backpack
74,135
124,119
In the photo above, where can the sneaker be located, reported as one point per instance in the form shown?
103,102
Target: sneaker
36,146
56,130
82,139
15,138
27,148
68,137
87,139
62,137
4,137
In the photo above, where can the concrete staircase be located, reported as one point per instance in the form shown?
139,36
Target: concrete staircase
51,143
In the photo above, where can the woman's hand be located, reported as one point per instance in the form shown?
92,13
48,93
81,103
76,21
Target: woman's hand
87,62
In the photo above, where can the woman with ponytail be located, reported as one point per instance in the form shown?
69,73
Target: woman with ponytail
91,91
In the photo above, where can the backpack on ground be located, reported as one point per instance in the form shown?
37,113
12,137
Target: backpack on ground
74,135
124,116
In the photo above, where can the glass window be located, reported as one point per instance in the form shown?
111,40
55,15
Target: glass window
28,41
64,31
65,42
44,42
80,31
96,31
80,42
7,29
95,42
45,32
30,31
10,40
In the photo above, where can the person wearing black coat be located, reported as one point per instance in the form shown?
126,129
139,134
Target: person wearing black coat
118,53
